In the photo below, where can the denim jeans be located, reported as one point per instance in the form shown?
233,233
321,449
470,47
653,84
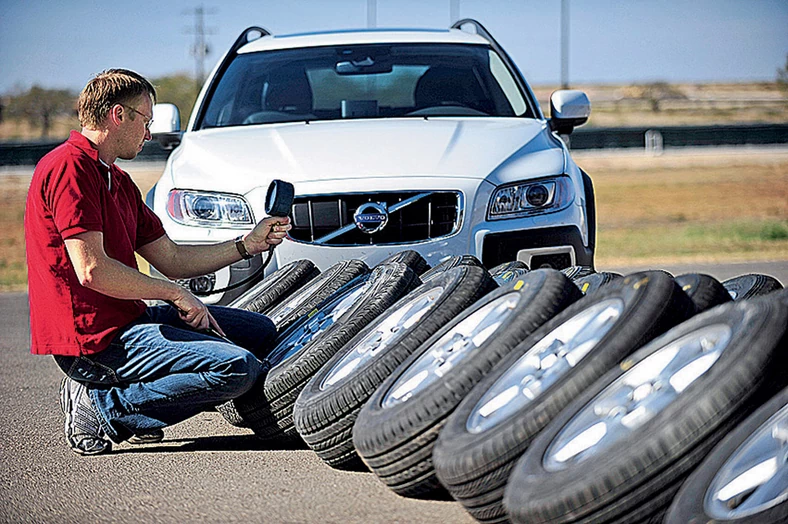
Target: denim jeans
158,371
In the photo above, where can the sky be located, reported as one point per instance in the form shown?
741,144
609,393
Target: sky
63,43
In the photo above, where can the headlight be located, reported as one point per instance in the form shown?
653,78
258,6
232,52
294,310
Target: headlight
532,197
195,208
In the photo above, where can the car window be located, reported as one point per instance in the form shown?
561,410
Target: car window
363,81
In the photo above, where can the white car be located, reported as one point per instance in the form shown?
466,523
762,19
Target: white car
428,140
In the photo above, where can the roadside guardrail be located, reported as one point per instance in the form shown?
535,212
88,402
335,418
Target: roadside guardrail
651,138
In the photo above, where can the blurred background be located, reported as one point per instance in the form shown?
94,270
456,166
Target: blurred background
663,78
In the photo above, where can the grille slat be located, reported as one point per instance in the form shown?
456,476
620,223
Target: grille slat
433,216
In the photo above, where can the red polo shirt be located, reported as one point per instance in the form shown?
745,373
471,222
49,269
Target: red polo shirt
71,193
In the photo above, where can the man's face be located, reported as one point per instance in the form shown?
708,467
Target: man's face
133,132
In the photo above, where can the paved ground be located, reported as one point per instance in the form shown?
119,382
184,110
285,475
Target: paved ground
205,470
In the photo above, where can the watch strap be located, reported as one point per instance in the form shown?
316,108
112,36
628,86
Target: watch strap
241,247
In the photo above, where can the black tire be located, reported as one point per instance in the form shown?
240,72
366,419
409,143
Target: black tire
751,285
508,272
695,501
308,344
635,477
411,259
396,439
459,260
705,291
588,188
312,294
577,272
277,286
591,283
324,415
474,465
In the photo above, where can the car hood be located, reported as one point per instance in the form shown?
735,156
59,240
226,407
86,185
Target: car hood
497,149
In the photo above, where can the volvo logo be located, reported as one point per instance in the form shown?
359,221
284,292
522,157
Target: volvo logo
371,217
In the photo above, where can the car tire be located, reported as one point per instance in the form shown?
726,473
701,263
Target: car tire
277,286
699,499
395,439
327,407
308,344
508,272
577,272
317,290
459,260
723,364
411,259
481,442
751,285
705,291
591,283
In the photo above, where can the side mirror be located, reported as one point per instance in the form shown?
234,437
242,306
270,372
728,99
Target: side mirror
568,109
166,127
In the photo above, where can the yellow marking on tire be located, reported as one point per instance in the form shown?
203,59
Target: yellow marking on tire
687,287
643,281
519,285
585,287
626,365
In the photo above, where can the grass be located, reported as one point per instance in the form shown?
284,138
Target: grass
700,206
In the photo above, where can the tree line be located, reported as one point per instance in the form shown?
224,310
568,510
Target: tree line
41,107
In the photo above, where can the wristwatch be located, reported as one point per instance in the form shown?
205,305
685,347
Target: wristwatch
241,247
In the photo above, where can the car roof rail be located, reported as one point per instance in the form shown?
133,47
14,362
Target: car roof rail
533,105
244,39
480,29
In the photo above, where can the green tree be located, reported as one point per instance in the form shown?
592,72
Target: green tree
179,90
40,106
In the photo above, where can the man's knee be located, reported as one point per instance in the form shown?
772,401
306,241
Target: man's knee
239,374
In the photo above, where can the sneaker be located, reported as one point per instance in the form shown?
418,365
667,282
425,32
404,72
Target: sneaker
83,431
151,436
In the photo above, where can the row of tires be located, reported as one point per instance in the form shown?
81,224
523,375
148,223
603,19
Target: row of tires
533,396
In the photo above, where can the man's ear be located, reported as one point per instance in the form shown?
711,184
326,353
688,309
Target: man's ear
116,114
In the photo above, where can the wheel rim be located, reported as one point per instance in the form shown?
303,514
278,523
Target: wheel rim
544,364
282,311
637,396
387,332
319,322
755,476
454,346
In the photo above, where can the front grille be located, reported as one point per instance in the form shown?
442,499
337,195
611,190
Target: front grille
329,220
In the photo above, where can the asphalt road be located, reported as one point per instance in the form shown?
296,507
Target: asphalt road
204,471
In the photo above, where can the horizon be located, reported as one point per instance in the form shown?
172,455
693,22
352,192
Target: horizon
677,41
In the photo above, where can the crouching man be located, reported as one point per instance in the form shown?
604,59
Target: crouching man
131,370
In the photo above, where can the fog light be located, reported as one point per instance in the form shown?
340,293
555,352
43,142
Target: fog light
202,284
537,195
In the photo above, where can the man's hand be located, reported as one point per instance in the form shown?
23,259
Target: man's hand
195,313
270,231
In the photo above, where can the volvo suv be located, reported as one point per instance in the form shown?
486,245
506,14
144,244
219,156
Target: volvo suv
429,140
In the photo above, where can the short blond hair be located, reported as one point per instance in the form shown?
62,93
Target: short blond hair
110,87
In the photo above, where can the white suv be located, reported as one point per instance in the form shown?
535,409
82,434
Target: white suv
428,140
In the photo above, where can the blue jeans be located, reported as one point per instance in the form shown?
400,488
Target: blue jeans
158,371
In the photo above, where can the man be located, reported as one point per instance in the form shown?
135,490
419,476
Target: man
131,370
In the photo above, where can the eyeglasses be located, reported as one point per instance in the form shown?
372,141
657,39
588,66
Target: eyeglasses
148,119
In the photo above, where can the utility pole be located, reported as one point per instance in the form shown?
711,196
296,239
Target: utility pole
199,49
564,44
372,14
454,11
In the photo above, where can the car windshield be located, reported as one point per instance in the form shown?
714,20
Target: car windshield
363,81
